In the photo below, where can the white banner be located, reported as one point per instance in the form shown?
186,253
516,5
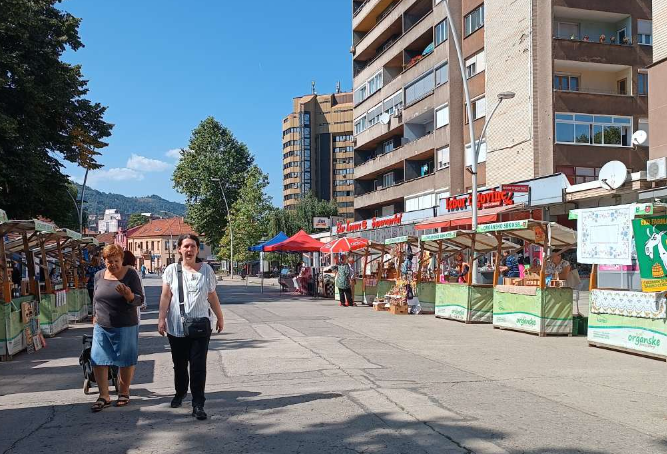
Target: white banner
605,235
452,311
629,304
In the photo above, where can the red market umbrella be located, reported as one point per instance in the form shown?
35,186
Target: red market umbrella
345,245
301,242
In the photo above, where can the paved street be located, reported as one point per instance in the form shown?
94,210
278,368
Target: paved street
297,375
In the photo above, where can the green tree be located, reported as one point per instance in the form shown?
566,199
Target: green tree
251,214
301,216
44,114
213,152
137,219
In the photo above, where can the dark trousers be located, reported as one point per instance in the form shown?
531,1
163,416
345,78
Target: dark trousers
184,351
345,293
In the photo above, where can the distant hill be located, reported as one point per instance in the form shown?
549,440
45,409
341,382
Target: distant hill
97,202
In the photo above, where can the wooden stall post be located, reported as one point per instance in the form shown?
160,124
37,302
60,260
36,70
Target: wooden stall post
63,264
363,272
472,256
593,281
499,253
30,263
419,262
6,276
48,285
543,268
75,272
381,265
440,267
81,265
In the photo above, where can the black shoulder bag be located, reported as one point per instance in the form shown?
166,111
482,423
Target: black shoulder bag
192,327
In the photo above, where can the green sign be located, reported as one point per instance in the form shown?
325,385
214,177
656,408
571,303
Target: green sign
72,234
499,226
3,216
42,226
398,239
651,243
439,236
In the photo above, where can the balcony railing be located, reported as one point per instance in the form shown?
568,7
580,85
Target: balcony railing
358,10
593,91
598,39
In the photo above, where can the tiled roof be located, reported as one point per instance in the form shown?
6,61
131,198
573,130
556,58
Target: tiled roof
162,227
107,238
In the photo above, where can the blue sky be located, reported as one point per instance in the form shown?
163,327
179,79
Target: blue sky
163,66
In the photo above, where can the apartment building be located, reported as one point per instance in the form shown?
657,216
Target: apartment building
658,76
318,151
579,78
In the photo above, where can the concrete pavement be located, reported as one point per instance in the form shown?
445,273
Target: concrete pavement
298,375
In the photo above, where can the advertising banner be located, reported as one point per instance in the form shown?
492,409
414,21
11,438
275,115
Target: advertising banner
651,242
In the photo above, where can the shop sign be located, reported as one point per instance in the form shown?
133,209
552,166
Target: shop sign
539,234
643,209
485,199
499,226
651,243
3,216
439,236
321,223
397,240
368,224
72,234
42,226
515,187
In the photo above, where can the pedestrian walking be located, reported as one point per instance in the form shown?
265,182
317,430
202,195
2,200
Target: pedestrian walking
343,283
129,259
143,271
117,295
188,297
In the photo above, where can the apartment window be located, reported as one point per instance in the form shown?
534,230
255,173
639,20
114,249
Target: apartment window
360,125
567,30
441,74
478,109
475,65
565,82
443,158
360,94
388,146
419,88
642,83
346,138
645,32
388,179
441,32
393,103
598,130
421,202
475,20
442,116
578,175
480,158
643,126
375,83
374,115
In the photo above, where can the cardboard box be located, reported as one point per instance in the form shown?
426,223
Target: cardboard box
380,306
398,310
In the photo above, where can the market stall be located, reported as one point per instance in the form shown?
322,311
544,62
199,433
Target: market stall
301,243
635,319
535,304
19,308
466,301
350,245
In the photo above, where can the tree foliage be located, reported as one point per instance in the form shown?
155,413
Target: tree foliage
301,217
213,152
250,218
137,219
44,114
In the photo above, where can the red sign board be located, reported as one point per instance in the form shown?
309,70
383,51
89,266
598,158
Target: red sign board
368,224
488,199
515,187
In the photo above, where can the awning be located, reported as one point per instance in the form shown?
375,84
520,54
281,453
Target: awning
464,218
462,239
346,244
534,231
301,242
275,240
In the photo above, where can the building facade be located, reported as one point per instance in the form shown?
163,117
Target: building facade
111,222
579,77
658,76
318,152
155,244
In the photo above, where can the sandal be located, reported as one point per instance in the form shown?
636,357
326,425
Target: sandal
123,400
100,404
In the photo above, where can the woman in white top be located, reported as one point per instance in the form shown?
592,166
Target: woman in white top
200,297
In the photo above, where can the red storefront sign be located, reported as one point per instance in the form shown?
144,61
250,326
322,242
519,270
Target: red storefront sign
515,187
368,224
489,199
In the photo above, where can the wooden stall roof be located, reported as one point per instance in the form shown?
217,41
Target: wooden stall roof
462,239
529,230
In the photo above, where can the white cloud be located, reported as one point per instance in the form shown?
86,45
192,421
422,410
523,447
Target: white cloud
145,164
102,176
174,154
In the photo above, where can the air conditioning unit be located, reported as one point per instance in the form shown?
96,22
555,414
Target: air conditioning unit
656,169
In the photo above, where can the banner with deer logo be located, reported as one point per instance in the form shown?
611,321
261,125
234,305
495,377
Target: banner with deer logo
651,242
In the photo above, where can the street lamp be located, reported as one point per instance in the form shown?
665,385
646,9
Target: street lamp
229,224
501,97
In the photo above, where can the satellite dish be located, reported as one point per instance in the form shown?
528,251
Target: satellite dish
613,174
384,118
639,137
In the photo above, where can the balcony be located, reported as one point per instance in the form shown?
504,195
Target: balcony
592,78
382,162
368,13
394,193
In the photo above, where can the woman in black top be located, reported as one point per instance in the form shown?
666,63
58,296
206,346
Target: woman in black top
117,295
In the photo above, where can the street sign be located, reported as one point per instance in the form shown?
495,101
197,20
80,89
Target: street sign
515,187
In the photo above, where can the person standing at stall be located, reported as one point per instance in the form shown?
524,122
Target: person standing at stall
117,295
188,297
343,283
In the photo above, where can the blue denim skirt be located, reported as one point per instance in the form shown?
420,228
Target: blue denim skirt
115,346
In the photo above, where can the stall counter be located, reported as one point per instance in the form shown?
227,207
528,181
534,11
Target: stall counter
533,310
53,313
426,294
12,337
465,303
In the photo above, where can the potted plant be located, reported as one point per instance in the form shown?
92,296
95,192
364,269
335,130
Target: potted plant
602,38
626,40
612,39
572,37
587,38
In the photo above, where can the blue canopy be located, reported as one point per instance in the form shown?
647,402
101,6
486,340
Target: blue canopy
275,240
